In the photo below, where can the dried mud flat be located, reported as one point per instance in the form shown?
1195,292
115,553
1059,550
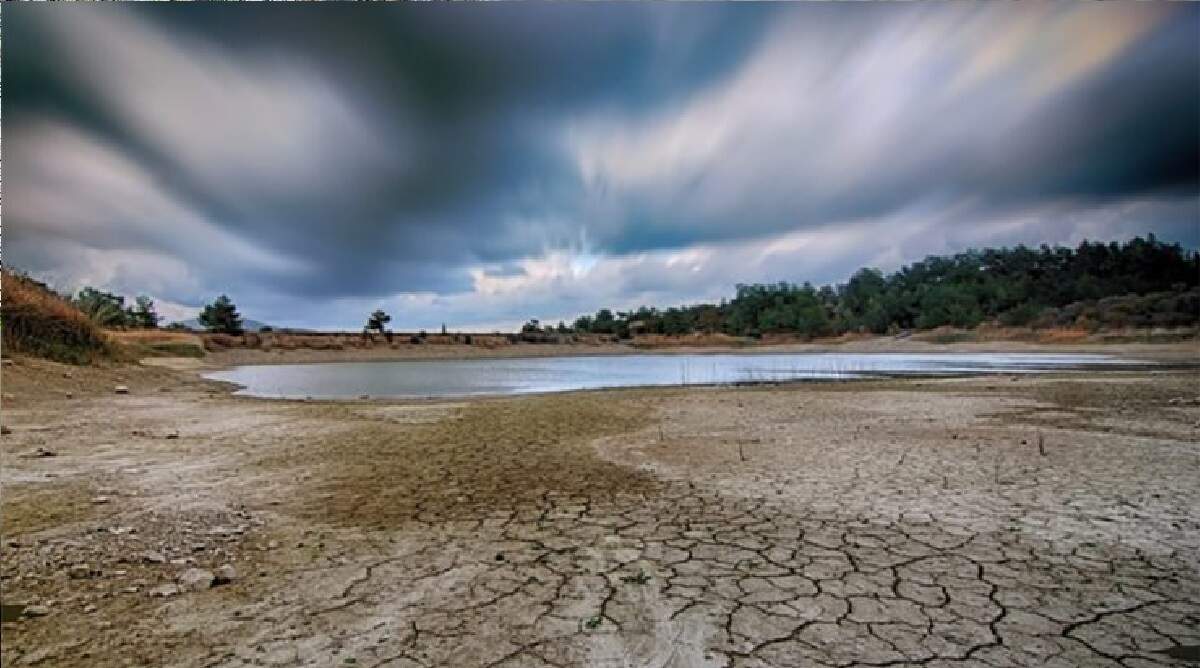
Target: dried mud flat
868,523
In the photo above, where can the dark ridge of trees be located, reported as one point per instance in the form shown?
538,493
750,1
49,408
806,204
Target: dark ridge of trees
1018,286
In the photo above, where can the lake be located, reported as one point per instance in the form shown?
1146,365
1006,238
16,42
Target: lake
456,378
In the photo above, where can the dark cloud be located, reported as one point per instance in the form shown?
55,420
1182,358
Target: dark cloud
348,155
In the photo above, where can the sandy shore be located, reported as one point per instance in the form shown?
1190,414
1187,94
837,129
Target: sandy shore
1046,520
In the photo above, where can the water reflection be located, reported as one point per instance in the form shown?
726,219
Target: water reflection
448,378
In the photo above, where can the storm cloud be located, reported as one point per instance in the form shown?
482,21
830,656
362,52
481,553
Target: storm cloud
480,164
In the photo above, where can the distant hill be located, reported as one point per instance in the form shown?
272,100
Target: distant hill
247,323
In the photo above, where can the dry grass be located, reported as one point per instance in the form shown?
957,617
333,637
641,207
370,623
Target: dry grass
158,343
153,336
41,323
689,341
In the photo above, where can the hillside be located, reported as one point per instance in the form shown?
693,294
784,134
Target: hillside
37,321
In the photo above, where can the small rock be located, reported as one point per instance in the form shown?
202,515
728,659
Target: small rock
153,558
67,374
98,500
225,574
68,395
121,389
79,571
89,609
35,611
163,590
173,435
40,452
5,430
272,545
132,589
197,579
8,362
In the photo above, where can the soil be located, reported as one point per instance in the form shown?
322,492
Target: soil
995,521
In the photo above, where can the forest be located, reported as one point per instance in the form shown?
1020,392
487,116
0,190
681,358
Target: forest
1140,283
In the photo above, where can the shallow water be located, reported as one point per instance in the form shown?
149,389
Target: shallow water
451,378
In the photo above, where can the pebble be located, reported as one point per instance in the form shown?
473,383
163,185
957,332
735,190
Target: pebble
163,590
89,609
196,579
225,574
153,558
121,389
5,430
35,611
79,571
173,435
100,500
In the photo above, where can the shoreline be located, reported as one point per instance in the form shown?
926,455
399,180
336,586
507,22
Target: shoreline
1181,352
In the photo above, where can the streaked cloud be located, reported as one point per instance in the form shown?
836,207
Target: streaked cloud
482,164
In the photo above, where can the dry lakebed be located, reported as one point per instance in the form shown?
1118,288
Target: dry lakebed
1033,519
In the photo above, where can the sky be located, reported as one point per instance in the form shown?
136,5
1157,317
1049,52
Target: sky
481,164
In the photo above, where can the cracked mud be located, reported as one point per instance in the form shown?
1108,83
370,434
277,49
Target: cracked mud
896,523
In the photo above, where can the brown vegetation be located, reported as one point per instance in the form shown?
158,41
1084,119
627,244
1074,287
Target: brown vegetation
41,323
697,340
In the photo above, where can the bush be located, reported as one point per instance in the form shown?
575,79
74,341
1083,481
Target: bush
38,322
1021,316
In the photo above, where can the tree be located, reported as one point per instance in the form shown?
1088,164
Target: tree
221,316
604,322
583,323
378,321
103,308
532,327
144,315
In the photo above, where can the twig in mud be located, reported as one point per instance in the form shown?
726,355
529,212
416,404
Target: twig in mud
1042,445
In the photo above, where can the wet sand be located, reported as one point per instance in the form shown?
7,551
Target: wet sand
1045,520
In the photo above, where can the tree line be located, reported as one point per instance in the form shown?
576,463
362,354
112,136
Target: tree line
1013,286
1017,286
